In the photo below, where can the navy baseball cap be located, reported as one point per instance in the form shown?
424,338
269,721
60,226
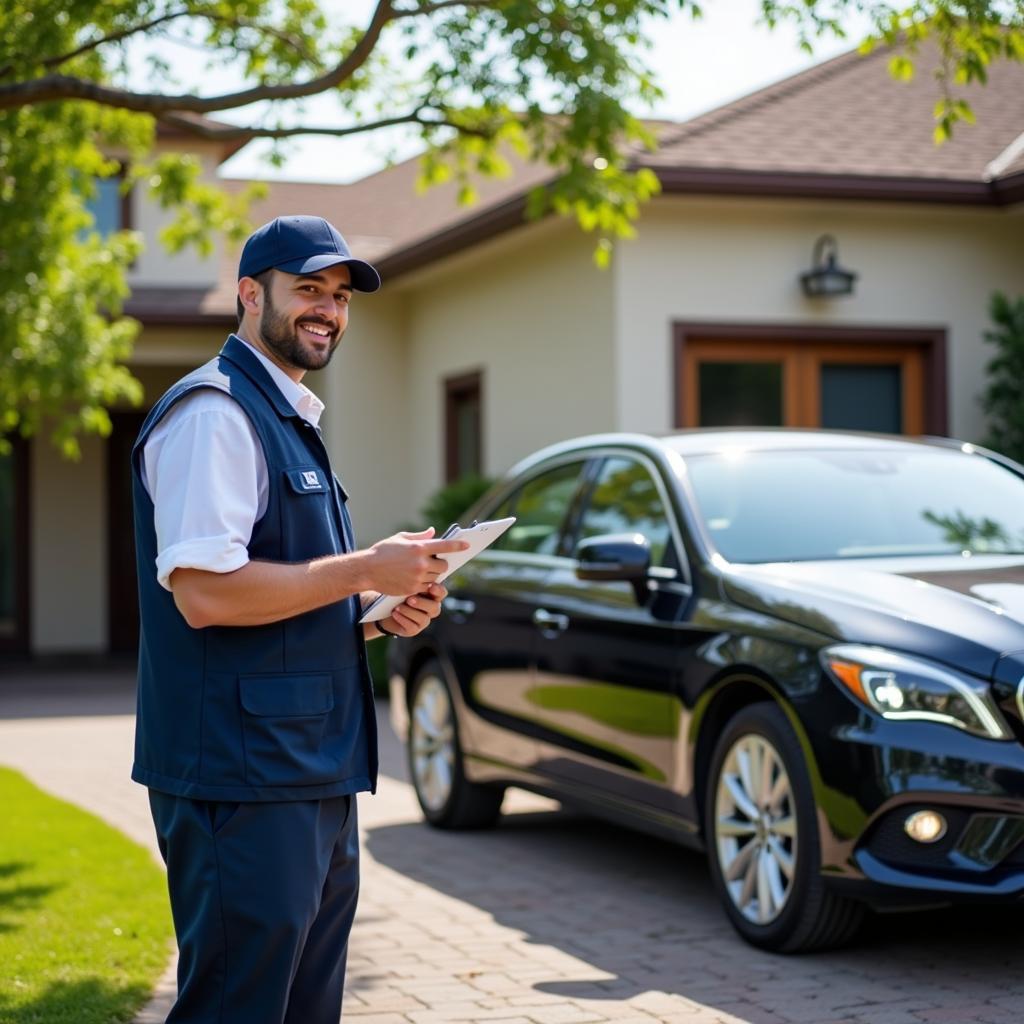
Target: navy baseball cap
303,245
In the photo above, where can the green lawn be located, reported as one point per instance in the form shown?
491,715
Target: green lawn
84,923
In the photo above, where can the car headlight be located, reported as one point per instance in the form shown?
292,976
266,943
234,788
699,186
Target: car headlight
901,687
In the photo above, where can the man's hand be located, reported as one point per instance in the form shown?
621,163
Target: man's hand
407,563
414,614
262,592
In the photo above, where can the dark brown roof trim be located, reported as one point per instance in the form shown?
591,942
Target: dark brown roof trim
176,307
511,213
1010,188
495,220
783,184
227,149
184,319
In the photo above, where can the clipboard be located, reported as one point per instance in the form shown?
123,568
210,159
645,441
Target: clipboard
479,536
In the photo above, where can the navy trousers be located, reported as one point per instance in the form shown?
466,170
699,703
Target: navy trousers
263,896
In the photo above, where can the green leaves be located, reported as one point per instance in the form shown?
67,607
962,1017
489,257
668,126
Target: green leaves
970,36
483,81
60,281
1003,399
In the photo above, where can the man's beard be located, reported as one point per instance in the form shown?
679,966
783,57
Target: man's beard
281,337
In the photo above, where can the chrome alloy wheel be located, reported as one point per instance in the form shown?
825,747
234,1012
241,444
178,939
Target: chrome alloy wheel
432,741
755,829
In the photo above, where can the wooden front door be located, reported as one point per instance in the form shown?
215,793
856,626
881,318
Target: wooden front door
735,382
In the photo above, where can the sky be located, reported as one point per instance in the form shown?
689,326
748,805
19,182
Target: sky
699,65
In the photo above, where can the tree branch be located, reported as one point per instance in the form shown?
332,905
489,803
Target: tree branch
230,133
64,87
114,37
439,5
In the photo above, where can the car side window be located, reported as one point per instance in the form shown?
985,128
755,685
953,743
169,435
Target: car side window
540,507
625,499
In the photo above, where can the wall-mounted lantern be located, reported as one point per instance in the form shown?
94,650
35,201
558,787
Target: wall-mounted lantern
826,278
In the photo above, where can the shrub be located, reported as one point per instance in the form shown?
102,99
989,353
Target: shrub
1003,399
440,510
447,505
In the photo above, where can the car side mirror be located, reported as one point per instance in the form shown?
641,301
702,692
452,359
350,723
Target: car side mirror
616,556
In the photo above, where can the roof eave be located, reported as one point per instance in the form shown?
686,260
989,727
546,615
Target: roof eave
494,220
184,319
811,185
511,213
1010,188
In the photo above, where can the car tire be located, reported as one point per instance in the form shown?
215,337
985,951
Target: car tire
761,828
447,798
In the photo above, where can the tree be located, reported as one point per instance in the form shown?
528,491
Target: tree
551,78
1003,398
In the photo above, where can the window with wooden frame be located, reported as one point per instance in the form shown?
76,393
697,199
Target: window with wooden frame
463,442
110,204
830,378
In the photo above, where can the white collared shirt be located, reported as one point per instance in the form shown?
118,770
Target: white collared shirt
204,467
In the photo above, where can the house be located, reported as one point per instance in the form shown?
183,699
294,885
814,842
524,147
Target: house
493,336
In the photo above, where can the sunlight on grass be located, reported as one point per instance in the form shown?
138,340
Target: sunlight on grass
84,922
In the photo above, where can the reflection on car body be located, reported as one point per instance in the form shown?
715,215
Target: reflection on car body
803,651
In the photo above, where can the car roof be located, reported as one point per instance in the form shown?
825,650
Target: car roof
709,441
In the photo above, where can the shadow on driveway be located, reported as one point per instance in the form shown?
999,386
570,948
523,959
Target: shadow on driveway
643,911
34,691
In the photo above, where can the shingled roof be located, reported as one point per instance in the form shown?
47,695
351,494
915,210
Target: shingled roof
843,129
848,119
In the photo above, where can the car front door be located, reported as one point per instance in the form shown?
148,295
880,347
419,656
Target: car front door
607,657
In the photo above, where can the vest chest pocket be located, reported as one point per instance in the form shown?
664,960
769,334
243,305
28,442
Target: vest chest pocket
310,517
284,726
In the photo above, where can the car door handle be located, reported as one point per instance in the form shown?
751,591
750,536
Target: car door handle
459,608
550,623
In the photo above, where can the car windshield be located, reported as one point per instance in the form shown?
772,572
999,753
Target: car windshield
809,505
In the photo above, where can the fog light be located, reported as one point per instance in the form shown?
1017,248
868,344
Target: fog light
925,826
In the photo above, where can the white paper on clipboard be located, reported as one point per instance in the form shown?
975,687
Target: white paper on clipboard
479,536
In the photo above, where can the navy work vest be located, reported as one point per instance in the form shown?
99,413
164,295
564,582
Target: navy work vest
282,711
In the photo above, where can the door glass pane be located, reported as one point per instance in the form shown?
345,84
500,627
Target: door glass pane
625,499
740,394
8,611
540,507
859,397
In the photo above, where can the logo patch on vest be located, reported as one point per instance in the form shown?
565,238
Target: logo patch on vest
307,481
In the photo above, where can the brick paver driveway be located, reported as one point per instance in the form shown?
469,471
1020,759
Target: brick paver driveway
551,918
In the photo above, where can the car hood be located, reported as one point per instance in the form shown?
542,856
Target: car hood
964,612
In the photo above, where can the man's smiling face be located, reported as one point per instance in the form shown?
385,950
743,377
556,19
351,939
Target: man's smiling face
304,317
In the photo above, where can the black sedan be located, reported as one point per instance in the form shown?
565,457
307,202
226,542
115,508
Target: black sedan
800,651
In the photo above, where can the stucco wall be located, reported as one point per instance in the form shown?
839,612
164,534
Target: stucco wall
184,347
156,267
366,422
533,313
738,261
68,565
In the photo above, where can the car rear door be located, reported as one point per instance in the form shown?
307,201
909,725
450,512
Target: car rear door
488,628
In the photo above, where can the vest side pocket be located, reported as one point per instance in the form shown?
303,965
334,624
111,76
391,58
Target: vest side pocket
283,725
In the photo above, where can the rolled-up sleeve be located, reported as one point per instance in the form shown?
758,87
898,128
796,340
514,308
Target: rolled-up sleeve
202,472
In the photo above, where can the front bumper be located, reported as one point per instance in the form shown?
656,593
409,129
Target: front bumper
892,769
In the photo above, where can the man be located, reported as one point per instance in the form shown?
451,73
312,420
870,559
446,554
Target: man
255,711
